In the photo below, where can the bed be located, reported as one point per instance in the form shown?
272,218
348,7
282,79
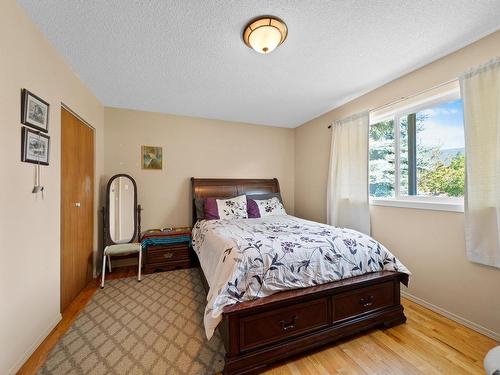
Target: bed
287,321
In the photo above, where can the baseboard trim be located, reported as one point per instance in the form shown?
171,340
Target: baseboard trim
35,345
474,326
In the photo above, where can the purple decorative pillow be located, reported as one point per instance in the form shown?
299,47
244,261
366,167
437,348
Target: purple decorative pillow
252,209
210,209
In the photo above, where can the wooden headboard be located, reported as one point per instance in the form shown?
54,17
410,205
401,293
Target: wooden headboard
230,187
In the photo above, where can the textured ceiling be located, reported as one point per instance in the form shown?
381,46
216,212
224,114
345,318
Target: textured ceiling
186,57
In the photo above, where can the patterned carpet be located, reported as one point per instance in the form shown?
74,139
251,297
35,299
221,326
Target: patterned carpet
151,327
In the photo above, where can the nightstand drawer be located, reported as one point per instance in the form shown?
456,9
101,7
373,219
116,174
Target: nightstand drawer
167,254
166,266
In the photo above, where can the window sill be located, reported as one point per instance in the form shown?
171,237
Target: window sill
418,204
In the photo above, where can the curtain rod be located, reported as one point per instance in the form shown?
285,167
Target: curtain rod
403,98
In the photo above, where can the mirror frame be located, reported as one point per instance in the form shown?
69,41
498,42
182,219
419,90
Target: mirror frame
107,235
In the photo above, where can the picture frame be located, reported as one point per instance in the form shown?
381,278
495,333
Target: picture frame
152,157
34,111
35,146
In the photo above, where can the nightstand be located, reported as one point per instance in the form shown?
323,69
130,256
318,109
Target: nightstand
166,250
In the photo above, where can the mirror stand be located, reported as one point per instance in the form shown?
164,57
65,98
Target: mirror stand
105,241
121,219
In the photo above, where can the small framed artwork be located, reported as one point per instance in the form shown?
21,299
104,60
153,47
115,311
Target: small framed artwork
34,111
152,157
34,147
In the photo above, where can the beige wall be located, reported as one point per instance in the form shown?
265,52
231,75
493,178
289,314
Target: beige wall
30,226
430,243
193,147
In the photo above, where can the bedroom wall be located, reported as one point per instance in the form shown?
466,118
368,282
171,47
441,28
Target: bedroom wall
30,226
430,243
193,147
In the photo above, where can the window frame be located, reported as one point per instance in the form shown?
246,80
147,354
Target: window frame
455,204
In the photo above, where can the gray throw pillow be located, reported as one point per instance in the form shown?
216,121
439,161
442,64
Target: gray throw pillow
264,196
199,203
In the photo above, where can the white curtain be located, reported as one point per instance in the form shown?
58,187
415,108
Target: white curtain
347,191
480,90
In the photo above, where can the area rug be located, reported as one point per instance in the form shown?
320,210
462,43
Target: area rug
151,327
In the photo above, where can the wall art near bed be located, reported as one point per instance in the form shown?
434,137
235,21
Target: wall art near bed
34,111
152,157
34,147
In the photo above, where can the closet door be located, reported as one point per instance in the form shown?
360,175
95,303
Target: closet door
77,206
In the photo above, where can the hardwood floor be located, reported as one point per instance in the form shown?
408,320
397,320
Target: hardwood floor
427,344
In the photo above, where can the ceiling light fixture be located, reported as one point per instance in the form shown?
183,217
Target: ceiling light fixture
265,33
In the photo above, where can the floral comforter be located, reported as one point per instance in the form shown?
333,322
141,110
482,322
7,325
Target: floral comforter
244,259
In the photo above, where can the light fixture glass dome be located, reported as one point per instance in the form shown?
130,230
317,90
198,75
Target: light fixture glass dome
265,33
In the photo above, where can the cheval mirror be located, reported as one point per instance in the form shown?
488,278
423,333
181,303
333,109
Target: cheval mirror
121,221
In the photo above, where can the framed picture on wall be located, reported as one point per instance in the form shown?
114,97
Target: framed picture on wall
34,146
34,111
152,157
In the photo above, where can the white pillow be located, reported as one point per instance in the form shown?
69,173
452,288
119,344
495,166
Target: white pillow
232,208
270,207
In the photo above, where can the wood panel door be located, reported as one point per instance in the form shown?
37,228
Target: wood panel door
77,206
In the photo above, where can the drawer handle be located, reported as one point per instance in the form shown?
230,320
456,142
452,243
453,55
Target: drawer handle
168,255
289,325
366,301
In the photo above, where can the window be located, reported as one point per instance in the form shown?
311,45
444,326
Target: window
417,150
